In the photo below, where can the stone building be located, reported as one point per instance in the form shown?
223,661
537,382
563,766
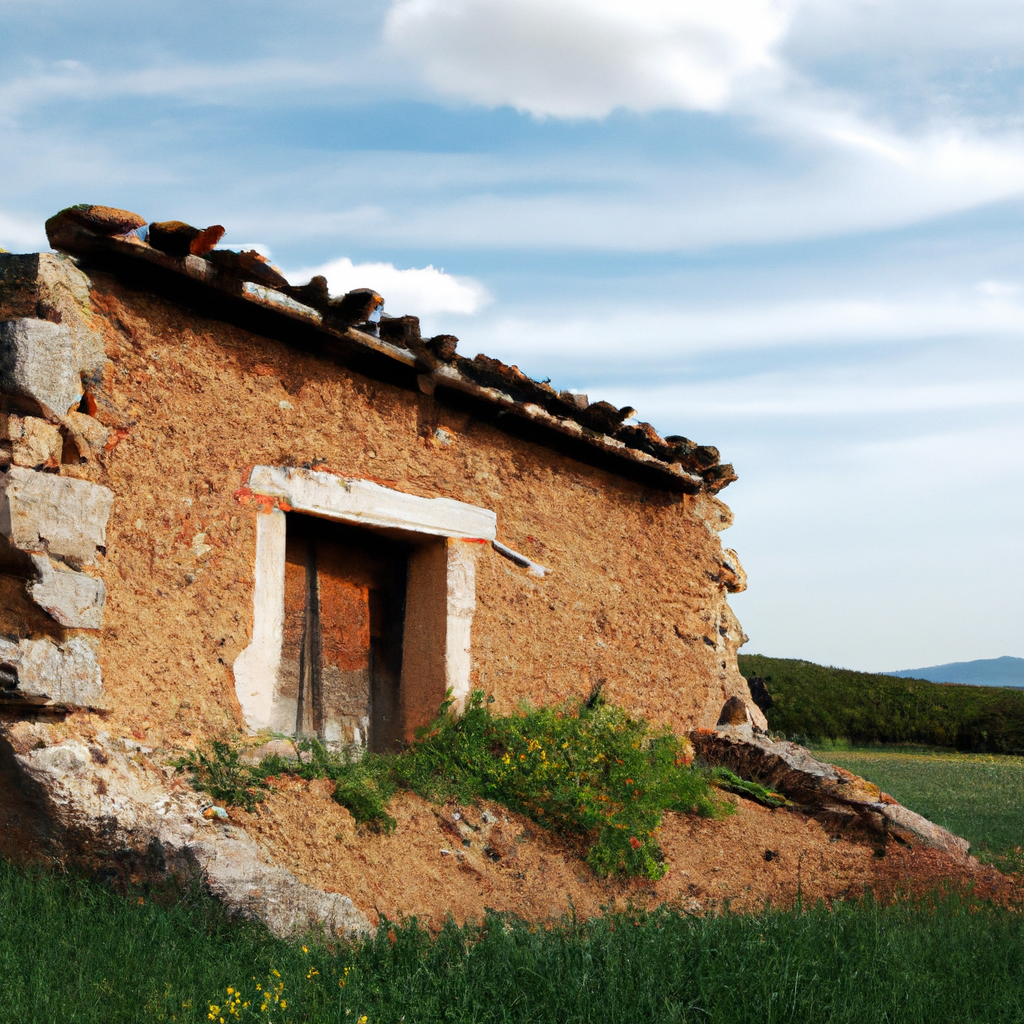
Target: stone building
229,502
231,505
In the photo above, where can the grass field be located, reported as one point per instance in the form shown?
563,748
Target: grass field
977,796
73,952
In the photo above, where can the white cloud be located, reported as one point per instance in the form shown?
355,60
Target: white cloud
584,58
21,234
420,291
666,333
825,394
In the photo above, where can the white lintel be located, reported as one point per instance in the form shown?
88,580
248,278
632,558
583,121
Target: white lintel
369,504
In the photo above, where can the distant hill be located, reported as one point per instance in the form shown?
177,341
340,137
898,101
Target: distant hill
984,672
811,702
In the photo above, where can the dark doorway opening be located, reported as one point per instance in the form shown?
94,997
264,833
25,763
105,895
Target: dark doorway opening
344,622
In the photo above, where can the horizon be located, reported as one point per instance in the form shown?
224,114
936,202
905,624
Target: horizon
792,230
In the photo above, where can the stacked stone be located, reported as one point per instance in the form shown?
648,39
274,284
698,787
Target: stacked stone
52,524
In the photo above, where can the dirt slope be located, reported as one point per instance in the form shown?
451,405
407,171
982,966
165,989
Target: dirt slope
435,864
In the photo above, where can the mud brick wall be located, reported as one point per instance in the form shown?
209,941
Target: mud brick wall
182,407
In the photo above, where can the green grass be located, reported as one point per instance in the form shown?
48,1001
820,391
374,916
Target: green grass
814,702
977,796
73,952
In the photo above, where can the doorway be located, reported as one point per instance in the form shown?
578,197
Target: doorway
344,620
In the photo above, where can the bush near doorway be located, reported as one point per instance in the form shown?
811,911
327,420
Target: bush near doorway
586,769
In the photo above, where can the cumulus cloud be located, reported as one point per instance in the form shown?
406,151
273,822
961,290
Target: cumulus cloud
421,291
584,58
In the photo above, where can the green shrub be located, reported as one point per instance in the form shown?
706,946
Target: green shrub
221,772
586,769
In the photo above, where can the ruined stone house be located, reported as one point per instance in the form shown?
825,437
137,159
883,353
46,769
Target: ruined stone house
232,503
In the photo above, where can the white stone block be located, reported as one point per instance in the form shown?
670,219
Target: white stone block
43,513
39,362
42,672
70,598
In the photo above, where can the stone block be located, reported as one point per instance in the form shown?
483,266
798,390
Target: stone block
38,365
86,428
34,442
70,598
51,287
42,513
41,672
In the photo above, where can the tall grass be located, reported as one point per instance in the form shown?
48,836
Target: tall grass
815,702
73,952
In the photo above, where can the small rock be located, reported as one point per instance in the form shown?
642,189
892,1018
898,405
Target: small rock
176,238
42,672
68,597
104,220
35,444
42,513
357,307
87,427
734,712
443,346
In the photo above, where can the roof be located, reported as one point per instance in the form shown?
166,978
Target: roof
179,262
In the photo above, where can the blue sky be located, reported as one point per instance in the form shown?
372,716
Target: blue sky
790,229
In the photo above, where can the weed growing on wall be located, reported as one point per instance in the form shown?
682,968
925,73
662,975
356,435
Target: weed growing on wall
221,772
586,769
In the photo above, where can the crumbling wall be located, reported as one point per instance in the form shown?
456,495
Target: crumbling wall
52,521
180,408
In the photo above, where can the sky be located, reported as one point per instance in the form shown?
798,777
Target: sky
788,228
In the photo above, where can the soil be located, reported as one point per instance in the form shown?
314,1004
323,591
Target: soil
443,861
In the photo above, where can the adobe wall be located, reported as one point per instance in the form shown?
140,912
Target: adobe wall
184,407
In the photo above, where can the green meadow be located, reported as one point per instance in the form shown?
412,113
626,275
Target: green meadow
74,951
71,951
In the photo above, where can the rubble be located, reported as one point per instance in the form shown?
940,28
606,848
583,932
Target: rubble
816,787
96,799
